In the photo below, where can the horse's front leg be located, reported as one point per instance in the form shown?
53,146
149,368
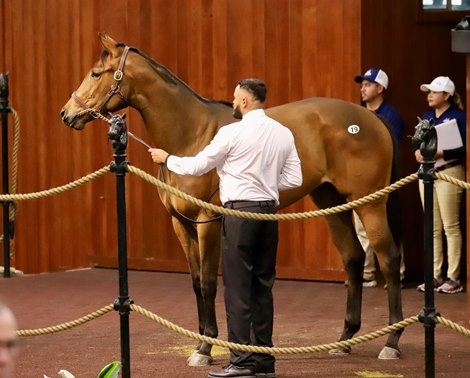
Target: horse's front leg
209,251
188,238
202,252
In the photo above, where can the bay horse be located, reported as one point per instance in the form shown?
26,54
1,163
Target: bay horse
346,152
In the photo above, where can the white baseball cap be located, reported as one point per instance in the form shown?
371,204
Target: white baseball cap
440,84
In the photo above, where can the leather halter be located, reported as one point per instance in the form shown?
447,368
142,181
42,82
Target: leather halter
115,89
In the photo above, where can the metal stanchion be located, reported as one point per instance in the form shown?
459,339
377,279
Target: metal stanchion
5,109
428,315
118,134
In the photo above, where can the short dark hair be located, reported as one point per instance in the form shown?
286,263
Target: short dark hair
256,87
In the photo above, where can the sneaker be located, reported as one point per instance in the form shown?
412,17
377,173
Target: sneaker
369,283
450,287
437,282
365,283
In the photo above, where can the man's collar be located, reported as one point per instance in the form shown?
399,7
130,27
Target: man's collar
253,113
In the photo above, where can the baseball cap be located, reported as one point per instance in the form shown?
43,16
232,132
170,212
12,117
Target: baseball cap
374,75
439,84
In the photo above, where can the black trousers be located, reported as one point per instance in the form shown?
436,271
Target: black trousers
248,269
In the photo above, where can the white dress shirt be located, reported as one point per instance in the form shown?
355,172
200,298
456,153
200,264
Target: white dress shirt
255,159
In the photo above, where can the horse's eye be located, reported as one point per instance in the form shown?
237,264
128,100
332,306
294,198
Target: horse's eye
95,74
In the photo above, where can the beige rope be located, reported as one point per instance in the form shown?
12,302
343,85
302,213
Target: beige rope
454,326
276,350
289,216
57,190
247,348
14,161
67,325
453,180
13,209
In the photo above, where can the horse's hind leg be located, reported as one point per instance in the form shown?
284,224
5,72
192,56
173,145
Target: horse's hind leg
204,289
345,239
374,219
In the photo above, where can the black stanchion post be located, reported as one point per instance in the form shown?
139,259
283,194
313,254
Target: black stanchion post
5,108
428,314
118,134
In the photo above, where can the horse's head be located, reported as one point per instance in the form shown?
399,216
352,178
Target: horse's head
425,135
104,89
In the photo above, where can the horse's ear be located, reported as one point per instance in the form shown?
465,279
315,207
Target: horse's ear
109,44
124,116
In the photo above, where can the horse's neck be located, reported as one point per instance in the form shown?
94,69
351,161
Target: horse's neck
178,129
176,119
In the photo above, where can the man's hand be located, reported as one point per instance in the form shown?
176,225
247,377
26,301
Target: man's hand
158,156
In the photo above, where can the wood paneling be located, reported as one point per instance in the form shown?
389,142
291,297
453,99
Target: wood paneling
301,48
209,44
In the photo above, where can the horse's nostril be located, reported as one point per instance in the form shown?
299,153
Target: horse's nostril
62,113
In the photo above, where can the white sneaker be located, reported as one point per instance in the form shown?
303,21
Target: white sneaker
369,283
437,283
450,287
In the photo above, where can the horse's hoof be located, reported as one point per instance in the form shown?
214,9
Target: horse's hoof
340,351
197,359
389,353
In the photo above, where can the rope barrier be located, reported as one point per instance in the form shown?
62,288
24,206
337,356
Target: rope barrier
289,216
13,209
221,210
67,325
276,350
246,348
452,325
218,209
56,190
452,180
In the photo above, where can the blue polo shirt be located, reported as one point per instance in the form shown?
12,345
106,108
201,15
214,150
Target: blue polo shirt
391,115
453,112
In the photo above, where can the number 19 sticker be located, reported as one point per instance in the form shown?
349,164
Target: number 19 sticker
353,129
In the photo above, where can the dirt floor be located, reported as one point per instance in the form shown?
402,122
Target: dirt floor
306,314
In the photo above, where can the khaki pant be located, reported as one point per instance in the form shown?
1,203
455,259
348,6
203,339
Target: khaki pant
447,198
369,263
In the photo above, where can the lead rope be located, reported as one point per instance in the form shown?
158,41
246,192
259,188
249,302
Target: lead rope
97,114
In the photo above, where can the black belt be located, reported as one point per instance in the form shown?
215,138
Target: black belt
448,165
241,204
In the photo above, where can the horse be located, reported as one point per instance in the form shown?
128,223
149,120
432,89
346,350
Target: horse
346,152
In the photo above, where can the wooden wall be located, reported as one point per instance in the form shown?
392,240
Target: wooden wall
210,44
301,48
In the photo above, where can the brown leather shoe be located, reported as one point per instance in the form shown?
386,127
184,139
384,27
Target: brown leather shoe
232,371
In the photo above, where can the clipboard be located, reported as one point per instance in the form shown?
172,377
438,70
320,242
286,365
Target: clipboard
448,137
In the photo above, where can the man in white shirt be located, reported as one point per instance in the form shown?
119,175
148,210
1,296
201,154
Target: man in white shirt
255,159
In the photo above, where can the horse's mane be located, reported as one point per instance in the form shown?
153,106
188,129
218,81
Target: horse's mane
170,77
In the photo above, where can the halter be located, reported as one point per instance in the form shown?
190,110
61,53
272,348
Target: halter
115,89
96,113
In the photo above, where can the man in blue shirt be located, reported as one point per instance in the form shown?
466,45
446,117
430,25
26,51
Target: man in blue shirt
374,83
